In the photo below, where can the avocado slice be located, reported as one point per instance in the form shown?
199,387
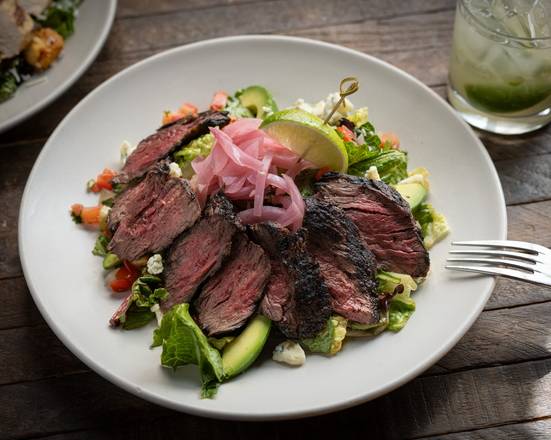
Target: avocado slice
110,261
414,193
240,353
257,99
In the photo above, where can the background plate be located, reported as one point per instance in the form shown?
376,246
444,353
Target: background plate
92,26
129,106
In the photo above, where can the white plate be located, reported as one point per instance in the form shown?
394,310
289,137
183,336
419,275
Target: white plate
92,26
66,280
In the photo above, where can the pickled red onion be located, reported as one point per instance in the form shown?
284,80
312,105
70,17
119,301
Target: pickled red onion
244,162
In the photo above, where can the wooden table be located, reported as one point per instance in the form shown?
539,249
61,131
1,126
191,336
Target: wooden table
494,384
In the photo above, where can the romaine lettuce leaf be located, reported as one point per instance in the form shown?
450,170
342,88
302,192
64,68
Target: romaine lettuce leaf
8,85
329,340
60,16
235,108
100,247
434,226
184,343
401,305
391,165
146,292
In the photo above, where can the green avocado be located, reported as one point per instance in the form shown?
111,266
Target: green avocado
414,193
258,100
110,261
240,353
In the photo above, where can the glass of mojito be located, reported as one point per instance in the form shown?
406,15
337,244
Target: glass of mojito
500,67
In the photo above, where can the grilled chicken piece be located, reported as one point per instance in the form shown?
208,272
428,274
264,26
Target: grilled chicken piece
34,7
16,26
44,48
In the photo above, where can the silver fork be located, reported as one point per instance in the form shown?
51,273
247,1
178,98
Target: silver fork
511,259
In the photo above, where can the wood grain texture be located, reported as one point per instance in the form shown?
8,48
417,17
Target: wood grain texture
504,336
15,166
493,385
536,430
427,406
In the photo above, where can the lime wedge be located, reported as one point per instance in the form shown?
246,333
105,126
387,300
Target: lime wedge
309,137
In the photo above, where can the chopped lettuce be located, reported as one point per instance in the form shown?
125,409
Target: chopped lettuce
197,147
100,247
184,343
391,165
329,340
146,292
235,108
418,175
60,16
8,85
359,117
220,343
433,224
401,305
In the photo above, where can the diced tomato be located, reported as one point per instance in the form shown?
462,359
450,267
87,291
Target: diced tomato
219,101
390,139
347,134
124,277
321,172
90,215
120,285
103,181
187,109
76,209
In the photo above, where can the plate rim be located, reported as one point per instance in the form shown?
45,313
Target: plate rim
72,77
280,415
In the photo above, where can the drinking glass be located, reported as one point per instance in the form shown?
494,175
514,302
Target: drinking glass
500,66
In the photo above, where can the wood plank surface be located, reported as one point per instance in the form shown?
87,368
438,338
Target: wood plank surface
494,384
433,405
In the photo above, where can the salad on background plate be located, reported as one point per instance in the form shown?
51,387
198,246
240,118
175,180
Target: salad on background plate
243,222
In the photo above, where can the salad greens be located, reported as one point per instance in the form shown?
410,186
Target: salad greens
146,292
60,16
184,343
198,147
401,305
329,340
433,224
181,339
235,108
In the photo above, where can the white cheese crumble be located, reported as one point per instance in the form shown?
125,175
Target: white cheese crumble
322,108
372,173
174,170
103,214
290,353
158,314
126,150
155,264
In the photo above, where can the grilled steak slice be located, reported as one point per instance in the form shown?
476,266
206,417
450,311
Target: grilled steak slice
160,144
346,265
230,297
198,253
296,296
174,209
384,219
136,198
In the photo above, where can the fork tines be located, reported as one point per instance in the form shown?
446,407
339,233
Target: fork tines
513,259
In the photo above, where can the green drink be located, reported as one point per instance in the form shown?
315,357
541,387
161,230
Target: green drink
500,68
